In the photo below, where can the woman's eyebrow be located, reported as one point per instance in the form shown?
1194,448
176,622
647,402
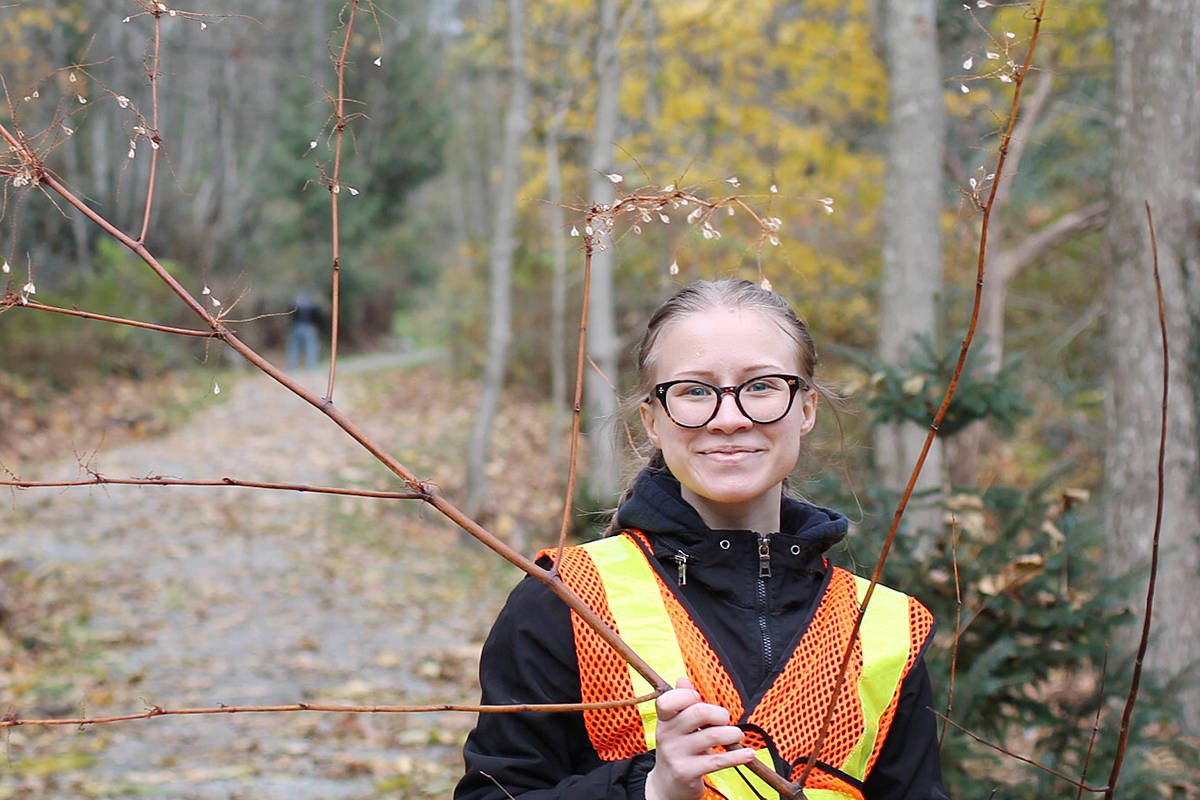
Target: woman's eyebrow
746,373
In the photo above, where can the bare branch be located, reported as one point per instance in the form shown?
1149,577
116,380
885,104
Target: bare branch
1031,114
12,721
1023,759
327,407
1018,82
576,410
14,300
335,189
1087,759
1135,683
958,630
99,480
157,9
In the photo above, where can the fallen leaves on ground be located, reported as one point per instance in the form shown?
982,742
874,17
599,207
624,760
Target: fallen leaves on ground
119,599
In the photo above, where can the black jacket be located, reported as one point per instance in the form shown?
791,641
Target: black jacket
752,623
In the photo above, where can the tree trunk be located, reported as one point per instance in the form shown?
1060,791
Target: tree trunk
1156,161
500,265
603,344
912,241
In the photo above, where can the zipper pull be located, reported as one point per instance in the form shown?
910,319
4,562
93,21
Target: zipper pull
681,559
764,555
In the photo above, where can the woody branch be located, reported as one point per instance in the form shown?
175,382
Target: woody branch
1017,77
420,490
29,163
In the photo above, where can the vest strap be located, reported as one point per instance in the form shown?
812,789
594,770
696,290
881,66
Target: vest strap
886,654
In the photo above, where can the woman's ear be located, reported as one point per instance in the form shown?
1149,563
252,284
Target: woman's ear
648,422
808,410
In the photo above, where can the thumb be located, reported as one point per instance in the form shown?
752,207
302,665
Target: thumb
684,683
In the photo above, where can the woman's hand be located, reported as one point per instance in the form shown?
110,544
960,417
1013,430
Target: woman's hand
686,734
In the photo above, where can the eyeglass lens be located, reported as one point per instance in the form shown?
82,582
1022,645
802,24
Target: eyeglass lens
693,403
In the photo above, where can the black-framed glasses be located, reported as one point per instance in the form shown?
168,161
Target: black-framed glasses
762,399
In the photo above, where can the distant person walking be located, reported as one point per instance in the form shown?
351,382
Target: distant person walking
303,336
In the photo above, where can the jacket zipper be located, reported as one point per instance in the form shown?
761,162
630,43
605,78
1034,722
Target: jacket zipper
764,572
681,559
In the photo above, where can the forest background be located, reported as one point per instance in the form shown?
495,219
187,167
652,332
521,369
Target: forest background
487,128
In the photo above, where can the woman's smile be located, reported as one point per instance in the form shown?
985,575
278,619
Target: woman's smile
730,454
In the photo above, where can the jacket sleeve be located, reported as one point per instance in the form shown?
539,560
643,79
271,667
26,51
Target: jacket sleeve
529,657
909,767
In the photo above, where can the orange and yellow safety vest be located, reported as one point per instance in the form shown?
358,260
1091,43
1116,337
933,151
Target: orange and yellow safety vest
616,579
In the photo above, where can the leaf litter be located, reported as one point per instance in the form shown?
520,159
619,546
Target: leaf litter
116,599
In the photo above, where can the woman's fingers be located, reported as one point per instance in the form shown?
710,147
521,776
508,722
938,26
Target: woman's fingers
688,734
688,713
672,702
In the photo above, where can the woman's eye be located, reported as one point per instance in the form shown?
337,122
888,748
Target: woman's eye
761,386
697,391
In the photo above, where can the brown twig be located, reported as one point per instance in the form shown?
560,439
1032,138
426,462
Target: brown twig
100,480
1135,683
153,134
497,784
335,190
1029,761
1006,139
12,721
29,162
958,628
1087,758
613,388
14,300
576,410
326,406
32,163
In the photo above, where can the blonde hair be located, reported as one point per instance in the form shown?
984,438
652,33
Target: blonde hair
709,295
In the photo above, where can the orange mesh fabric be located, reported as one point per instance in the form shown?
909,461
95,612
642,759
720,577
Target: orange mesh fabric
616,733
819,779
794,707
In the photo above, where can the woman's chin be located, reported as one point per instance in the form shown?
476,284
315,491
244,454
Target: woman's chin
735,496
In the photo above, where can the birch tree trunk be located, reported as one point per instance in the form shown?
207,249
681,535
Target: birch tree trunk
1156,55
603,346
912,241
500,263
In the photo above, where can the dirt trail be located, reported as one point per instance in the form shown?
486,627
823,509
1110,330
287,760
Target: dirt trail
202,597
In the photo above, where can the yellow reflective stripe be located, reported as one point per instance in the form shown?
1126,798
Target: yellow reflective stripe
827,794
885,643
729,781
631,589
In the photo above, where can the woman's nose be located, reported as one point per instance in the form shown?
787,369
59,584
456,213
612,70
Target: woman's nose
729,416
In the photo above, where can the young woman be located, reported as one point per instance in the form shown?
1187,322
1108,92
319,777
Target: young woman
717,579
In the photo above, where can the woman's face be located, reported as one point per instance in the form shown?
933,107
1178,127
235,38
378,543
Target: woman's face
731,469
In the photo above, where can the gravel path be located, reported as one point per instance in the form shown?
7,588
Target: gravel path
202,597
